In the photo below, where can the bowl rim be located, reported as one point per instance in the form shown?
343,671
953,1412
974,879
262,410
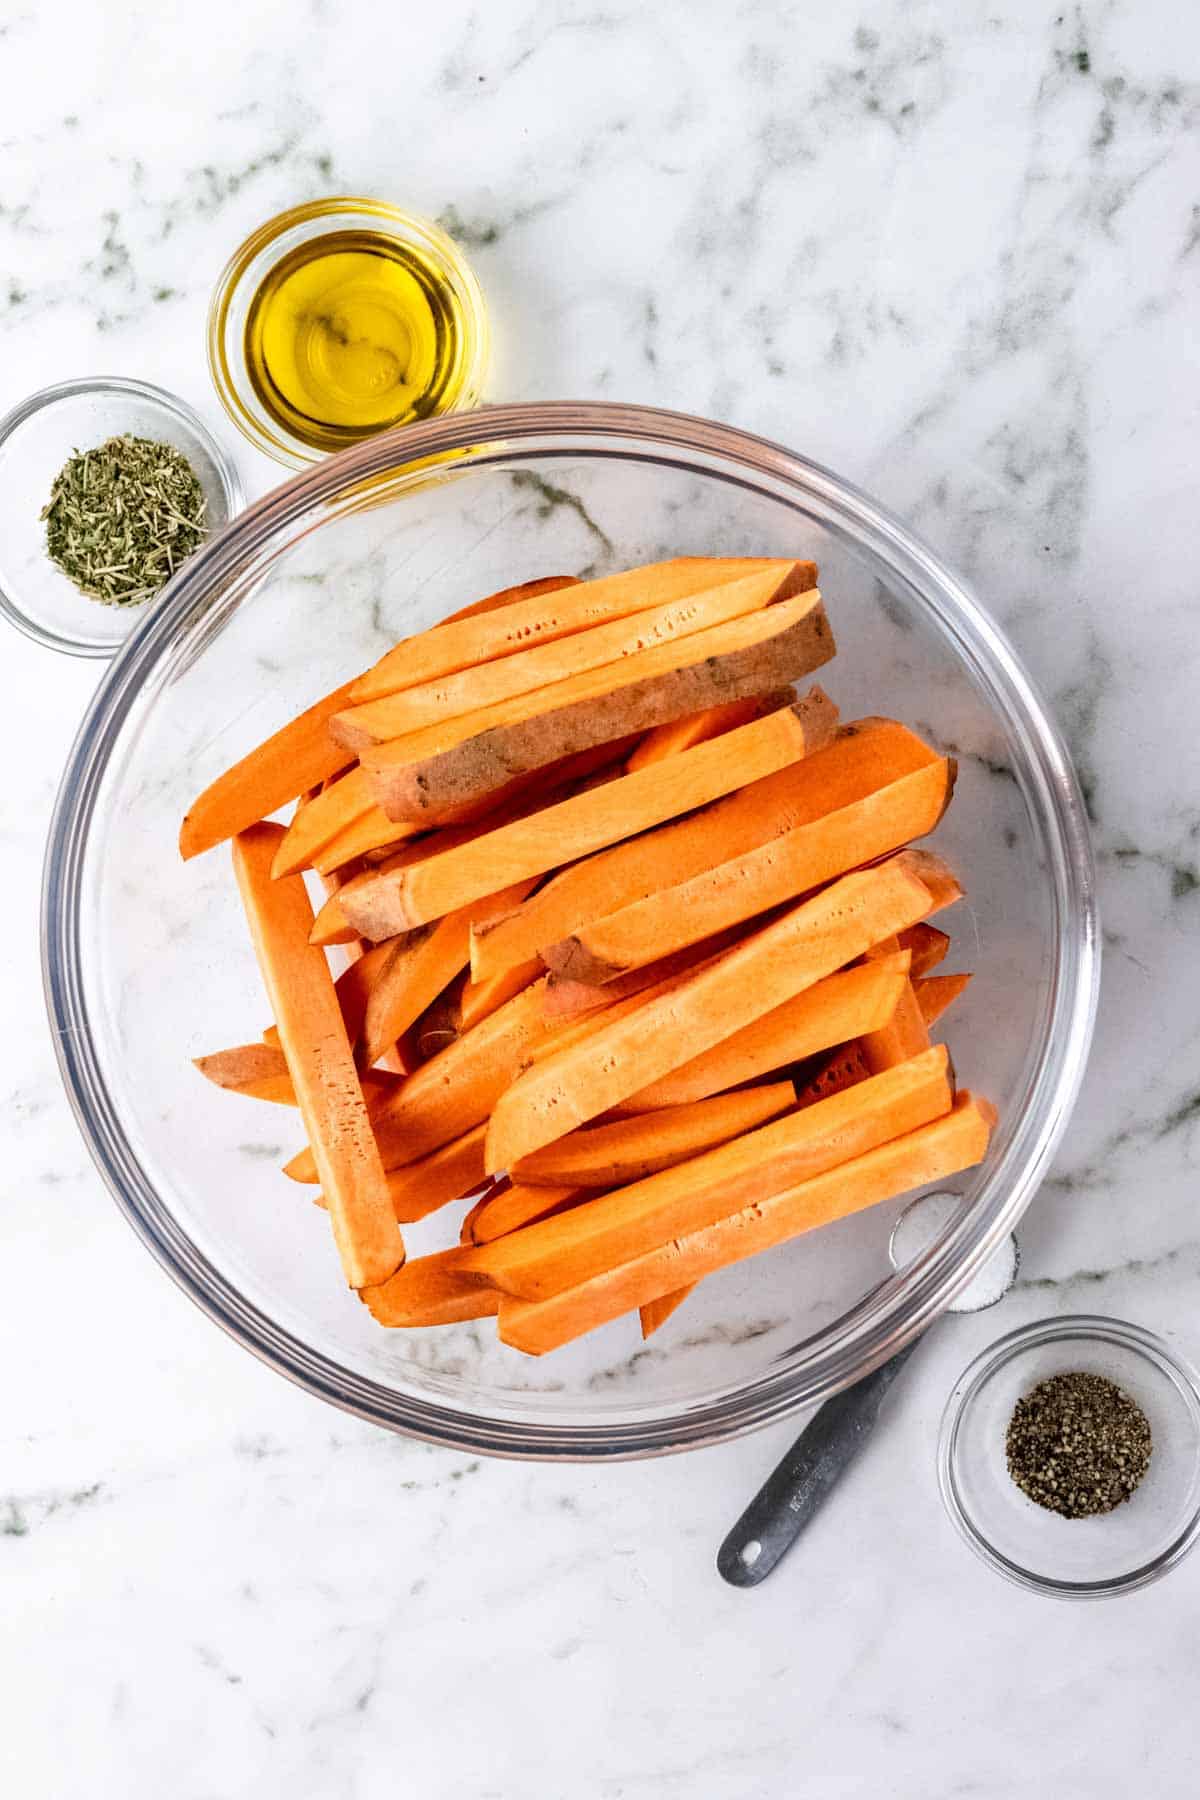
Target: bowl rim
1097,1328
889,1315
81,385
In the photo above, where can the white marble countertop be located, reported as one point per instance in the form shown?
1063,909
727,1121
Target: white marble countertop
950,249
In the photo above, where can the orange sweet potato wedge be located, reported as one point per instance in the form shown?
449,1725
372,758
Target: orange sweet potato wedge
575,827
750,884
427,774
811,940
543,612
862,758
840,1007
529,671
933,1152
559,1253
625,1150
433,1291
314,1042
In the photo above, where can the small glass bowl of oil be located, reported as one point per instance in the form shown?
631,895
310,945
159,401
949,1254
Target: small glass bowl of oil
340,319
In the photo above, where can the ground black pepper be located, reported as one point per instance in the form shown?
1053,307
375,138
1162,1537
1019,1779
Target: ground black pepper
1078,1445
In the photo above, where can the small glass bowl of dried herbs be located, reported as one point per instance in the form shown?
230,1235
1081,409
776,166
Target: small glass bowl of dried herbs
107,486
1069,1456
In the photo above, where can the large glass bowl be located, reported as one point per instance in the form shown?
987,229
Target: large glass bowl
148,962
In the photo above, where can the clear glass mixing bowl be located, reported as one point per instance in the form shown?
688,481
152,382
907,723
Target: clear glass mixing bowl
148,963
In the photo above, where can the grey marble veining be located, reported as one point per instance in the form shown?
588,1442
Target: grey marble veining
949,249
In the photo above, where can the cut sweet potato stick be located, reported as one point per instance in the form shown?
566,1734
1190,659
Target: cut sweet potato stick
299,756
625,1150
509,596
528,671
419,966
699,727
788,865
558,1253
450,1172
575,827
655,1313
331,926
457,1089
372,833
354,985
905,1035
333,812
928,947
314,1042
833,1075
811,940
427,774
565,1000
931,1153
433,1292
480,998
935,993
861,758
259,1071
545,613
516,1206
840,1007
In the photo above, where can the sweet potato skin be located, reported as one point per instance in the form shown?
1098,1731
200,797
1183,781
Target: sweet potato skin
427,790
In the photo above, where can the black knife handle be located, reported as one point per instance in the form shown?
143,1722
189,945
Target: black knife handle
797,1489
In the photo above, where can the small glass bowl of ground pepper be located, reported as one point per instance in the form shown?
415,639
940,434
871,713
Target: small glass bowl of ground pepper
43,444
1069,1456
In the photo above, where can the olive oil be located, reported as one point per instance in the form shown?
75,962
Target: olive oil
353,332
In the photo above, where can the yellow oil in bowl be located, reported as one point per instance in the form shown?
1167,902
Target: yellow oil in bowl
341,319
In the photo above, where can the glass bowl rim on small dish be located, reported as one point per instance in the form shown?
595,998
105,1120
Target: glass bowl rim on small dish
1139,1345
454,447
264,248
142,397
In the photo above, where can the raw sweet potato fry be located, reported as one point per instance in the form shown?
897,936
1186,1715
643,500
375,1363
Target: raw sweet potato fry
747,885
625,1150
479,998
575,827
528,671
509,596
566,1000
515,1206
935,993
456,1089
840,1007
433,1292
334,811
927,945
699,727
314,1042
427,774
862,757
654,1313
447,1174
419,965
811,940
257,1070
931,1153
371,834
299,756
559,1253
545,613
904,1035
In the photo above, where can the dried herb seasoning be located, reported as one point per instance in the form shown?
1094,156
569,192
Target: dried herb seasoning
1078,1445
122,518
